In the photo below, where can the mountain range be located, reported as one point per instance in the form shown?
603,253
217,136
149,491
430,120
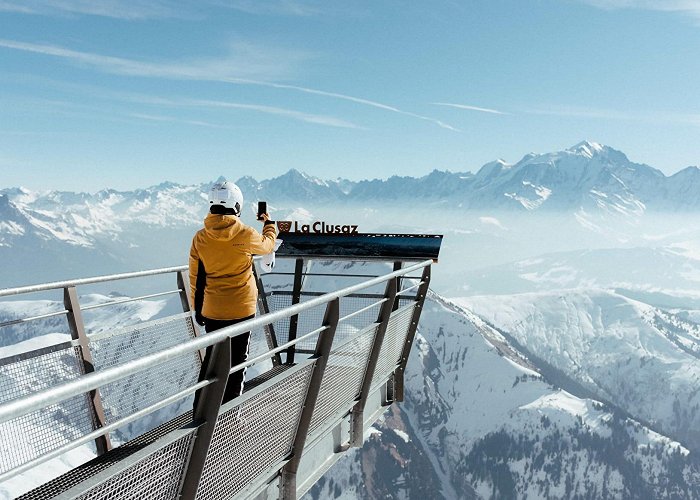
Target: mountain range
588,187
564,364
487,418
488,413
586,176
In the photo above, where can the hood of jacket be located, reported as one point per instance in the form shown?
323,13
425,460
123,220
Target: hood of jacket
222,227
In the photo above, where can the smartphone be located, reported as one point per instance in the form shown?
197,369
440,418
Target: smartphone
262,208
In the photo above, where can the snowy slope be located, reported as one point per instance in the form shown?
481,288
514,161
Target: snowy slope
637,268
479,419
491,426
52,370
643,359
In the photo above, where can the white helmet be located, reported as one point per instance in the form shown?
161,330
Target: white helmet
228,195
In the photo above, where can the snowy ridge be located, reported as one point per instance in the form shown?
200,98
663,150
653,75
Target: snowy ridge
480,419
492,426
643,359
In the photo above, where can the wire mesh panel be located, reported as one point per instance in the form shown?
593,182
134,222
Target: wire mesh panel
71,484
33,435
155,476
312,319
394,340
252,436
140,390
343,377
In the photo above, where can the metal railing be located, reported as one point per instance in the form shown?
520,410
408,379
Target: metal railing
301,399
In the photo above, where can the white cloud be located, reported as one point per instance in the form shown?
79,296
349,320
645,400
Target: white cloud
581,112
327,121
275,7
359,100
120,9
243,61
617,115
689,7
470,108
170,119
246,65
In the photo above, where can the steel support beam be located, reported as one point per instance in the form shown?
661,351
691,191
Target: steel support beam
357,416
397,380
183,284
397,266
77,332
264,308
296,297
288,487
206,412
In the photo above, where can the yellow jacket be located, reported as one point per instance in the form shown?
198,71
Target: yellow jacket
221,266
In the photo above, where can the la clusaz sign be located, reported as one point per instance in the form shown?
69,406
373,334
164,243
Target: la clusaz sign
318,227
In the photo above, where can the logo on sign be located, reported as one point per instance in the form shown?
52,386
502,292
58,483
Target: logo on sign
318,227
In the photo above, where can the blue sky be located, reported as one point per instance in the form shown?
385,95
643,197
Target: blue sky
125,94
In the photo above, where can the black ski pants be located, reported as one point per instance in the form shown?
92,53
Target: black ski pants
239,353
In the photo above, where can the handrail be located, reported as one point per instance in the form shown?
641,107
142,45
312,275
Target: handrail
130,299
54,285
101,431
91,381
87,281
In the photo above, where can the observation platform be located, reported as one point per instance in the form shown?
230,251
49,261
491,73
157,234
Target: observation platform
329,349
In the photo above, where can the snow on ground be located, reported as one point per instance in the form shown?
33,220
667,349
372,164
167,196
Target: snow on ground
29,480
624,350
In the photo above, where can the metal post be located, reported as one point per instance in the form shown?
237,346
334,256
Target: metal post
264,308
77,331
398,378
288,486
397,265
186,300
357,416
296,297
206,413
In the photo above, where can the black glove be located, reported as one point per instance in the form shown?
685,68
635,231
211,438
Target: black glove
199,318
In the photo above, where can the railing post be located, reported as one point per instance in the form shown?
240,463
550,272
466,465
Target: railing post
397,265
398,379
269,329
288,486
183,285
357,415
296,297
77,331
206,411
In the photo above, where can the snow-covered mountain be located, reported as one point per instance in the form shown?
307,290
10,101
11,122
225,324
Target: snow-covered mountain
643,359
482,421
584,387
592,195
587,176
640,268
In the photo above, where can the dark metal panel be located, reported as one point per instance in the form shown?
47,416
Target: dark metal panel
183,283
323,348
296,297
77,330
370,246
206,410
398,379
264,308
357,428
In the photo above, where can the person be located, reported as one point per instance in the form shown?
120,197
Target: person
223,288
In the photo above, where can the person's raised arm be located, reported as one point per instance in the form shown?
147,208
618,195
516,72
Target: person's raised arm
262,244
